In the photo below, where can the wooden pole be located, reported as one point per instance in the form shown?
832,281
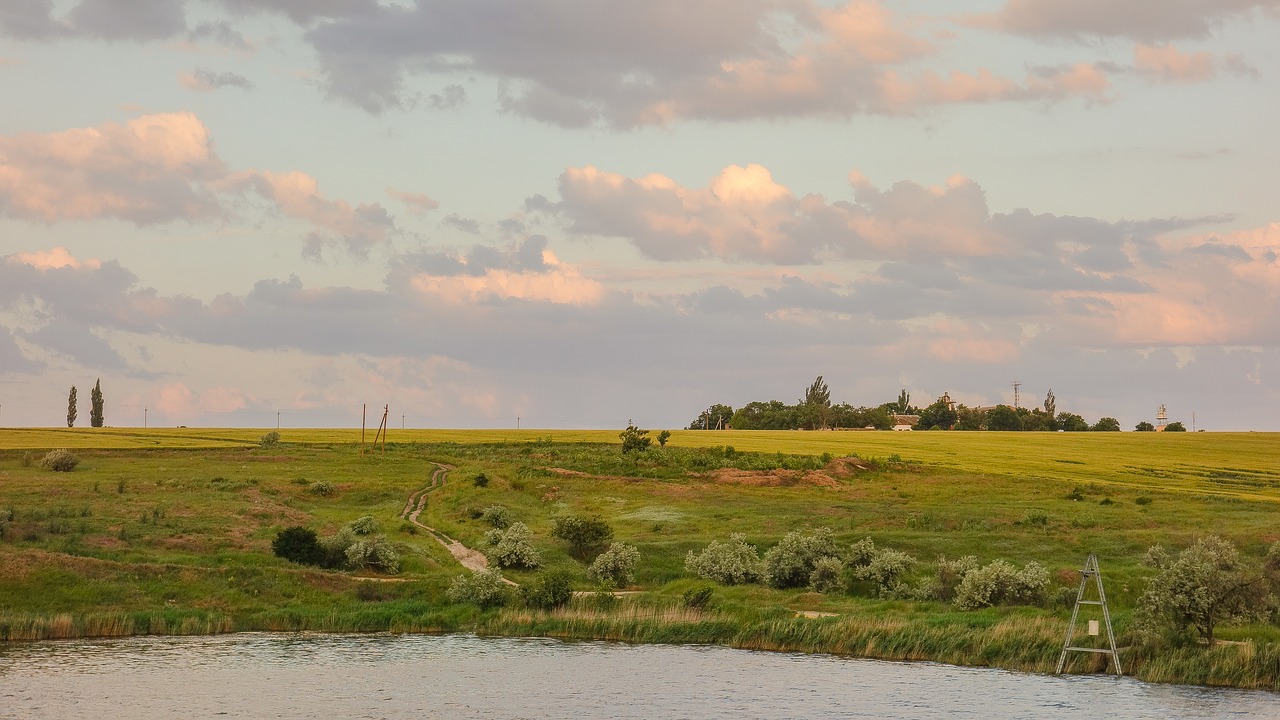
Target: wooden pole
364,412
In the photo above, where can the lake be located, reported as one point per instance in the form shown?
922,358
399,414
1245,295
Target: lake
278,675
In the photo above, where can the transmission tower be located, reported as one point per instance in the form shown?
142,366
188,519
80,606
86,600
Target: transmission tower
1016,385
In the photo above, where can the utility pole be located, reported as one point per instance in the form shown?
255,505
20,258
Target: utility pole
517,422
144,416
401,421
277,419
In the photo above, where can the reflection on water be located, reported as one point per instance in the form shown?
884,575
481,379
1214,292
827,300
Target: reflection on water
378,676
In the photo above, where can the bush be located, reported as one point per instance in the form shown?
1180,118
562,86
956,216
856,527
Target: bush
26,459
582,533
729,563
300,545
269,440
375,552
616,565
698,598
827,575
548,591
364,525
633,438
883,567
663,437
485,588
790,563
511,548
60,461
497,516
323,488
1000,583
482,480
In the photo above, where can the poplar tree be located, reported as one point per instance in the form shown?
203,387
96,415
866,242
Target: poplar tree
71,407
95,412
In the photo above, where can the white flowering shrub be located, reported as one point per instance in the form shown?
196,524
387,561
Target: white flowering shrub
497,516
513,547
485,588
732,562
883,567
790,563
616,566
827,575
1002,583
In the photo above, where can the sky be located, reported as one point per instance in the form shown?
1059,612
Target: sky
575,214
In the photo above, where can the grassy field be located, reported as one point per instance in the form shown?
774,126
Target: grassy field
169,530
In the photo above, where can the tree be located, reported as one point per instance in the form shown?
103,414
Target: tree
663,437
1072,422
1144,426
1003,417
1106,424
95,410
817,405
71,407
968,418
1205,585
938,415
903,405
1175,426
633,438
1050,403
716,417
583,534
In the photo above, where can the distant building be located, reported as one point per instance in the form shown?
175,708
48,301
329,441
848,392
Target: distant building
905,422
946,398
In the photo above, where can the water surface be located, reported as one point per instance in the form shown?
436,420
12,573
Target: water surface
270,675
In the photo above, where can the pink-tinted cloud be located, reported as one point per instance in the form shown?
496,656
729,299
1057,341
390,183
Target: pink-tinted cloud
58,257
1140,19
178,402
1166,63
151,169
418,203
160,168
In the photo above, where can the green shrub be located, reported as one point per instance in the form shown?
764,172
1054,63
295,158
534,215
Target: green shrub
497,516
733,562
548,591
1203,586
269,440
949,575
1035,518
300,545
484,588
698,598
365,525
1142,500
26,459
482,480
60,461
1000,583
633,438
323,488
584,534
616,565
512,547
663,437
790,563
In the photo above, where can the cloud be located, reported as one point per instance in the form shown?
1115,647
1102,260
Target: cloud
581,63
1165,63
78,342
151,169
160,168
297,195
527,272
220,32
418,203
743,215
176,401
205,80
12,360
1138,19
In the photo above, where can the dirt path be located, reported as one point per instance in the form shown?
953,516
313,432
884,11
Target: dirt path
473,560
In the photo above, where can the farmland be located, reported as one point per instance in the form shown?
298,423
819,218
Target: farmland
170,530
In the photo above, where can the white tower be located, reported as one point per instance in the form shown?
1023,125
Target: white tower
1162,418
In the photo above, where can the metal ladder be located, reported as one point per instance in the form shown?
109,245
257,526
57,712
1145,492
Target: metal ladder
1090,571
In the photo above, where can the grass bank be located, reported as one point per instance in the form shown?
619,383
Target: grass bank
169,531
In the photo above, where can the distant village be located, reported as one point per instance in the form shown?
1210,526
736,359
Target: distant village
815,411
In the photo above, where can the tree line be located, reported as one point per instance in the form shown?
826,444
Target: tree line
815,411
95,406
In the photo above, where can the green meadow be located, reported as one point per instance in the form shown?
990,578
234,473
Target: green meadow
170,530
